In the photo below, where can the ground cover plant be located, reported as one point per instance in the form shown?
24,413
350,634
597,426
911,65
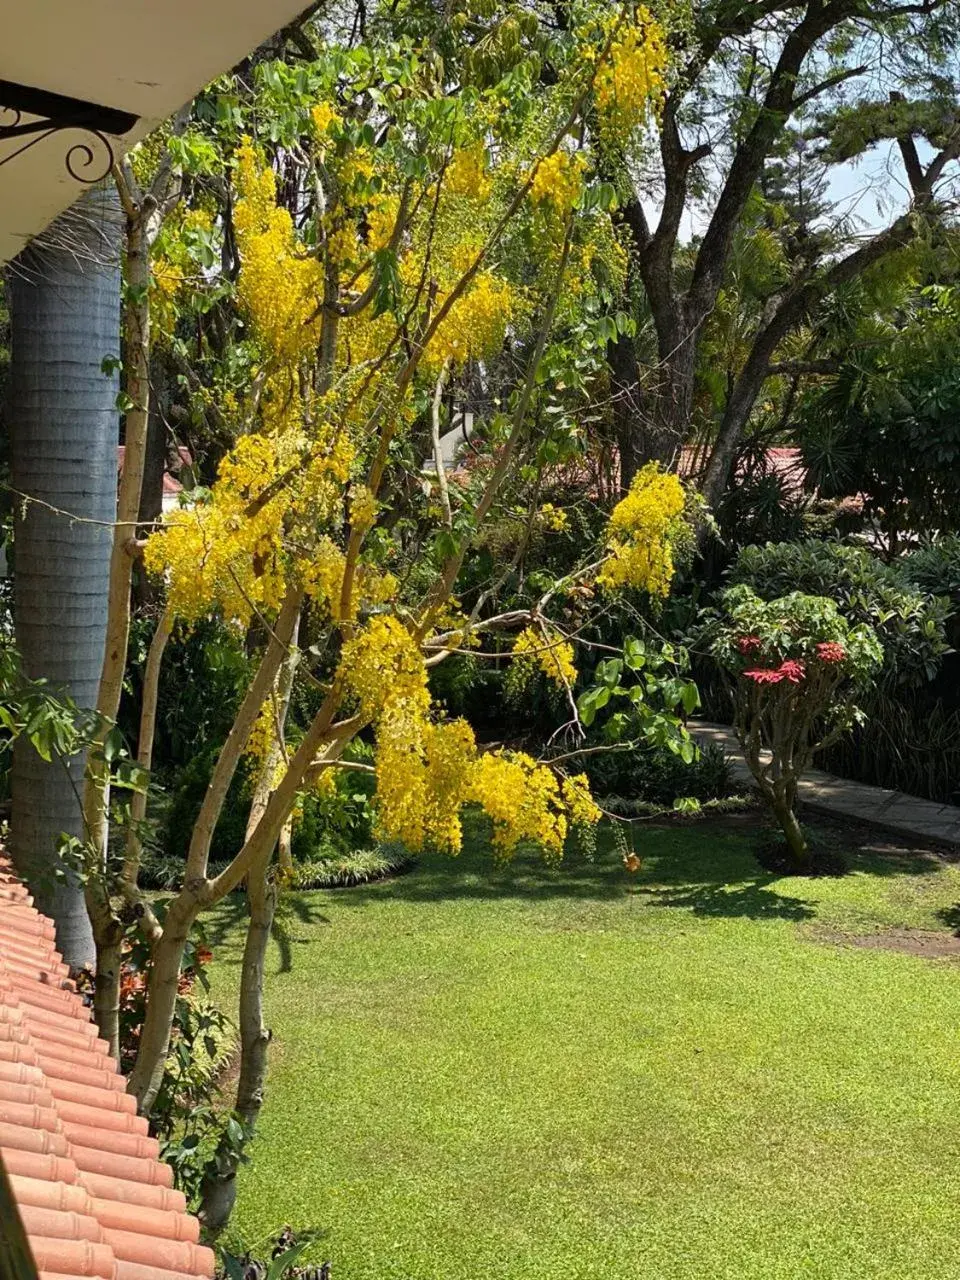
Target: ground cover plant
566,1072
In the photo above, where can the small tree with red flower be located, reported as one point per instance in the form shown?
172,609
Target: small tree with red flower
797,666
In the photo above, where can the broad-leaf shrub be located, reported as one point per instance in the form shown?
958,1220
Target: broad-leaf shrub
797,665
910,622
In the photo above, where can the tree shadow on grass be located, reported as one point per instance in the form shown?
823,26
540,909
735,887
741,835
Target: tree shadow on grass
695,868
709,869
754,900
951,917
225,927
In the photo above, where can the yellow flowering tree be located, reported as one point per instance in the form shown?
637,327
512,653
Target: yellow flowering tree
392,238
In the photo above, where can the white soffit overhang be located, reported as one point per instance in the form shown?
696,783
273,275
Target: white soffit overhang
140,59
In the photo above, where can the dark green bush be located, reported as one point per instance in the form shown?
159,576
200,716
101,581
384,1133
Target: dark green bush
658,776
910,623
935,568
187,795
341,823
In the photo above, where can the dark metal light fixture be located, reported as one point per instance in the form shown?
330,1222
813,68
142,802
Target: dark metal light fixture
54,113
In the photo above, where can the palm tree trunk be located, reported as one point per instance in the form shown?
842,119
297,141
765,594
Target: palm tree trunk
65,320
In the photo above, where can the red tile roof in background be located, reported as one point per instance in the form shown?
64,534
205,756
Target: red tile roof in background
171,484
94,1198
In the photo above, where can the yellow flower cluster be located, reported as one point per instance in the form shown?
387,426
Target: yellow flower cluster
524,800
322,576
363,508
423,775
263,739
323,116
553,656
427,769
467,173
221,554
558,181
632,80
381,220
216,554
553,518
640,533
476,325
382,663
278,285
581,808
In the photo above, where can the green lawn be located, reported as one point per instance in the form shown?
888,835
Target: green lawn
543,1073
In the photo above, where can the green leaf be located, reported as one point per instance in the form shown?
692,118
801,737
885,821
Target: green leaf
279,1267
690,697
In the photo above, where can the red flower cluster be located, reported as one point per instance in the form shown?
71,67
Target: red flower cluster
748,645
831,651
787,670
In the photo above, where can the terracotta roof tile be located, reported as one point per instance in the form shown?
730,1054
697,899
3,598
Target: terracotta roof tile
94,1198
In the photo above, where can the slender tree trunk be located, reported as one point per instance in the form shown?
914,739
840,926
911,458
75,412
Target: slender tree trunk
220,1190
164,975
154,471
792,831
65,321
134,901
107,926
625,391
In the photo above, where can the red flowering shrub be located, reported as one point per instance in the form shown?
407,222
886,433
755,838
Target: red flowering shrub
802,696
831,651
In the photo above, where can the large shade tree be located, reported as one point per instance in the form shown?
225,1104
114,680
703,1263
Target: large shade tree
858,74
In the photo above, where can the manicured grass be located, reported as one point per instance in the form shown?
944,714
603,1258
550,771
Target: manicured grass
539,1073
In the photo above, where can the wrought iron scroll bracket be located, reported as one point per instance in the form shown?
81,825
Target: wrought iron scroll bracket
51,113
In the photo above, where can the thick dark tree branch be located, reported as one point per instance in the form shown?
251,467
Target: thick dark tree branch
752,152
830,83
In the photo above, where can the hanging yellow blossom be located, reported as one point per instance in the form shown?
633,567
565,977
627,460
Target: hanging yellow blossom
558,181
640,533
553,518
551,654
467,173
476,325
363,509
523,798
220,554
581,807
381,221
382,663
423,777
323,116
278,284
631,82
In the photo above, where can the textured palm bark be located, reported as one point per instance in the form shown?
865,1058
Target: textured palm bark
65,321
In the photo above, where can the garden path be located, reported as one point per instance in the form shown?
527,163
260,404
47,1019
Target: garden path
892,810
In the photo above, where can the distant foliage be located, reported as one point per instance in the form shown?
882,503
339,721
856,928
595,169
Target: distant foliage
910,623
887,425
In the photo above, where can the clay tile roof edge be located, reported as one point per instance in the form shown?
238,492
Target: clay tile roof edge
94,1199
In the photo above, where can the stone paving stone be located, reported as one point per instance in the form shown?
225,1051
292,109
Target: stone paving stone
876,806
